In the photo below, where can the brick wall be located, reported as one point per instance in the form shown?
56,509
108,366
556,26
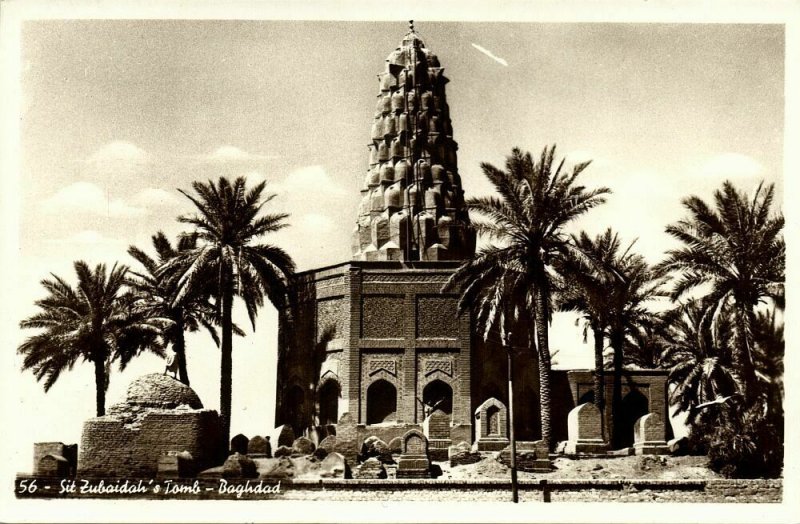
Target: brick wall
109,448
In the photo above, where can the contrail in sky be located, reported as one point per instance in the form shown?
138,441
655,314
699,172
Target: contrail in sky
491,55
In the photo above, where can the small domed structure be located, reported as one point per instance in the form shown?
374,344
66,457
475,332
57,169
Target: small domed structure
160,391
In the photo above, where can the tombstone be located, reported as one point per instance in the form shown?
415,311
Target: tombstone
372,468
491,426
52,466
285,435
283,451
333,466
172,465
648,436
281,468
532,456
584,431
239,444
396,445
414,461
42,449
328,443
303,446
437,429
462,454
239,466
348,439
257,447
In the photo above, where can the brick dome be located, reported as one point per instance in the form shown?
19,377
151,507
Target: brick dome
157,390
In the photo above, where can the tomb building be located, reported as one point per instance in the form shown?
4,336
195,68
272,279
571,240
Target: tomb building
376,338
160,416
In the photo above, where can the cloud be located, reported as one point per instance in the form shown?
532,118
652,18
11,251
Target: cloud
119,151
308,179
316,223
731,165
87,237
230,154
154,197
491,55
88,198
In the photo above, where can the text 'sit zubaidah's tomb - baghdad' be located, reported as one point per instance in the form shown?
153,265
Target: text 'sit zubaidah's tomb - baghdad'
374,348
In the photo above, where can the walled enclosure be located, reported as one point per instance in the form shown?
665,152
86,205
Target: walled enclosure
160,415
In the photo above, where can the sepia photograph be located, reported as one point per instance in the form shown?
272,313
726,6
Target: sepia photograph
277,263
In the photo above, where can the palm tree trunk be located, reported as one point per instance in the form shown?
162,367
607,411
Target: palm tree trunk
100,385
616,399
599,379
743,355
226,364
542,314
179,347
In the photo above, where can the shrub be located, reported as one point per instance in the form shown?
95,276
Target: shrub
747,446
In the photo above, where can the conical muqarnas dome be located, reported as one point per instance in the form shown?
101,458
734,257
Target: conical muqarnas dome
413,167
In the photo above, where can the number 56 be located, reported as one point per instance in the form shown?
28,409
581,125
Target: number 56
28,486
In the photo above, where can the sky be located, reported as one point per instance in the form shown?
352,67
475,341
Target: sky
116,116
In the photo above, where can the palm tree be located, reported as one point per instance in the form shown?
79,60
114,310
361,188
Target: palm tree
155,293
736,251
698,349
226,224
611,288
585,291
95,322
536,201
645,344
630,294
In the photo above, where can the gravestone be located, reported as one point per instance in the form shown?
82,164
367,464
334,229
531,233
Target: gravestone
462,454
532,456
285,435
257,447
333,466
584,431
372,468
648,436
396,445
53,466
239,466
328,443
281,468
491,426
283,451
437,429
303,446
348,440
239,444
173,464
414,461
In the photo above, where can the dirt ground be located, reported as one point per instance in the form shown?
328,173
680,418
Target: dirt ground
630,467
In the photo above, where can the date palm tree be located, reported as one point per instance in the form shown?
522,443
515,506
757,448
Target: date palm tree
535,201
630,296
227,224
155,292
698,350
95,322
585,291
736,251
611,288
